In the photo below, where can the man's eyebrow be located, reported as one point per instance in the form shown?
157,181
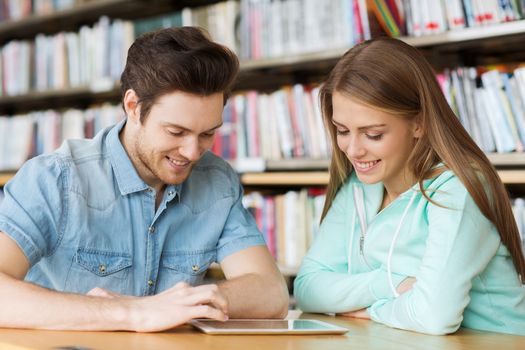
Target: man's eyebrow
173,125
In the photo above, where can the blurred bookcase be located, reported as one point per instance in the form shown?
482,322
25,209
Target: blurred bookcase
283,73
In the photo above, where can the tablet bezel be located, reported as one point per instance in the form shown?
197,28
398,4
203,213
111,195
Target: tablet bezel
327,328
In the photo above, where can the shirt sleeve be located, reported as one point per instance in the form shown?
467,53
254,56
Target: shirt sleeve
323,283
34,209
460,244
240,230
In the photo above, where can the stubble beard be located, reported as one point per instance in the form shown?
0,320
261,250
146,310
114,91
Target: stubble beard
146,160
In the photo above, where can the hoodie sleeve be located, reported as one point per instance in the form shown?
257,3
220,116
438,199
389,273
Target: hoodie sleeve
323,283
460,244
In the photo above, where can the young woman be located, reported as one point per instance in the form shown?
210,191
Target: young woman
417,230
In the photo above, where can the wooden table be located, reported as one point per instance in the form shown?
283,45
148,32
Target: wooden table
362,335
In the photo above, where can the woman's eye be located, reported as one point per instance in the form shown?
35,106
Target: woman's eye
374,137
175,133
341,132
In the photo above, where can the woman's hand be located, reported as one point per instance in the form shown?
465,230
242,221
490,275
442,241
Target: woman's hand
362,313
403,287
406,285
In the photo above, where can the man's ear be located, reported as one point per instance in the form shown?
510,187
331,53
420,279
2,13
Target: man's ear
131,105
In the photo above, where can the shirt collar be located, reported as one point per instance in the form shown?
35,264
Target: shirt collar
128,179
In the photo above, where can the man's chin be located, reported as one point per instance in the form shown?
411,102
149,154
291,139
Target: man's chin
176,179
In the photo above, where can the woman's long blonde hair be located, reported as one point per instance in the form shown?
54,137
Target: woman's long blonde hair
392,76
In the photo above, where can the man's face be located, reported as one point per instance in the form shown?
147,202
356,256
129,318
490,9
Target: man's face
178,130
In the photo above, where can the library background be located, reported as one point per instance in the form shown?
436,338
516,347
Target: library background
61,61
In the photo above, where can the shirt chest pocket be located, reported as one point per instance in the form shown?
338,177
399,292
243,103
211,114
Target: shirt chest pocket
94,268
184,266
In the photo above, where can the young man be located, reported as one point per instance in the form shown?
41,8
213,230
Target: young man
116,233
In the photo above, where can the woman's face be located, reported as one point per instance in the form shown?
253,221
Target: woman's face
377,143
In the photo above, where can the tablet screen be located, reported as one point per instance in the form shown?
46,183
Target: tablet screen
267,326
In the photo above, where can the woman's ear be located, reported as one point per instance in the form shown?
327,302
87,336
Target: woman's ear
131,106
418,130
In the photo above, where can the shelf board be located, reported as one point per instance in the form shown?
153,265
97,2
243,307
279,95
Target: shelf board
320,178
257,165
298,164
305,178
285,271
468,34
4,177
308,178
292,59
507,159
509,177
73,97
67,92
512,177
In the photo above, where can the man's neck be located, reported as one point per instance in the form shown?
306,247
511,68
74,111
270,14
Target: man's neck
142,171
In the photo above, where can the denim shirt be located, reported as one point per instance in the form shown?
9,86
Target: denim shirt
84,219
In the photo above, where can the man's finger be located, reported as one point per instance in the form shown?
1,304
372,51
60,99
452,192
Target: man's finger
207,311
215,299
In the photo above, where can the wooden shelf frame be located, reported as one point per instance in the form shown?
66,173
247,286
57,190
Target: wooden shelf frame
4,177
509,177
313,172
303,178
216,270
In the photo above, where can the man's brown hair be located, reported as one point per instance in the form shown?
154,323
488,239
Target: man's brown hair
177,59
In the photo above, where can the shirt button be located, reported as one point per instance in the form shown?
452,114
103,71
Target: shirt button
150,283
151,229
195,268
171,193
102,268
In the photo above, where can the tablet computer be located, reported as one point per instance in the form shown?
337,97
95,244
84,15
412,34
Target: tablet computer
267,327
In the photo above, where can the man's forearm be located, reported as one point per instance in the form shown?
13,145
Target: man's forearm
256,296
24,305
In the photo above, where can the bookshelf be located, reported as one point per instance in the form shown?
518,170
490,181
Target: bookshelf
444,49
282,69
88,11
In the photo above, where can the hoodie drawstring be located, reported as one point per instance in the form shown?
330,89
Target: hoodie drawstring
393,243
361,215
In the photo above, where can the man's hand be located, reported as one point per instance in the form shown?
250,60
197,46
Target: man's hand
172,307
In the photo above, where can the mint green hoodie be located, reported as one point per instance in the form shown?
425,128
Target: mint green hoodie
465,276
